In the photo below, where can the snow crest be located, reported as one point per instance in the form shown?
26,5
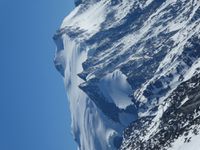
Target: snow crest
91,128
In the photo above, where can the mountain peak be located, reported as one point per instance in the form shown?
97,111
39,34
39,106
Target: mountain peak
78,2
132,73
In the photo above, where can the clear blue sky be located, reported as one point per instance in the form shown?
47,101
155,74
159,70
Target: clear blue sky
34,112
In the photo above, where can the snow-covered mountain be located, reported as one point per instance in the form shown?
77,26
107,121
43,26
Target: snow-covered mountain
132,73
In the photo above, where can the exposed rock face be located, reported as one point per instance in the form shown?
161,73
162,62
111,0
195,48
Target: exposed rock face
132,73
178,124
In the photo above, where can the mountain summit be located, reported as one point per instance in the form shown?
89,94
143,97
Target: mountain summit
132,73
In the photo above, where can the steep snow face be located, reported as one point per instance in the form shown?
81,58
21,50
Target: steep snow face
116,89
84,20
91,129
122,61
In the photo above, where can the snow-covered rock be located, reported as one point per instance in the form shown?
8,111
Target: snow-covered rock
131,70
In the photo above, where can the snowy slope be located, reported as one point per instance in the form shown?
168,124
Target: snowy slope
123,62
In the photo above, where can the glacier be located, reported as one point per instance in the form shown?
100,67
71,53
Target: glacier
131,70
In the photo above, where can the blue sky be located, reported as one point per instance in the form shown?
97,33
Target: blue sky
34,112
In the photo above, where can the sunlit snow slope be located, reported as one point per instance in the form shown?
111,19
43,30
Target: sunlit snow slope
132,73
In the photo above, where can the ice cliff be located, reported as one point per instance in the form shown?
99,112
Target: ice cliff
132,73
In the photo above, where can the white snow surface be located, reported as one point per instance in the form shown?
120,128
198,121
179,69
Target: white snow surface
116,89
186,143
88,20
